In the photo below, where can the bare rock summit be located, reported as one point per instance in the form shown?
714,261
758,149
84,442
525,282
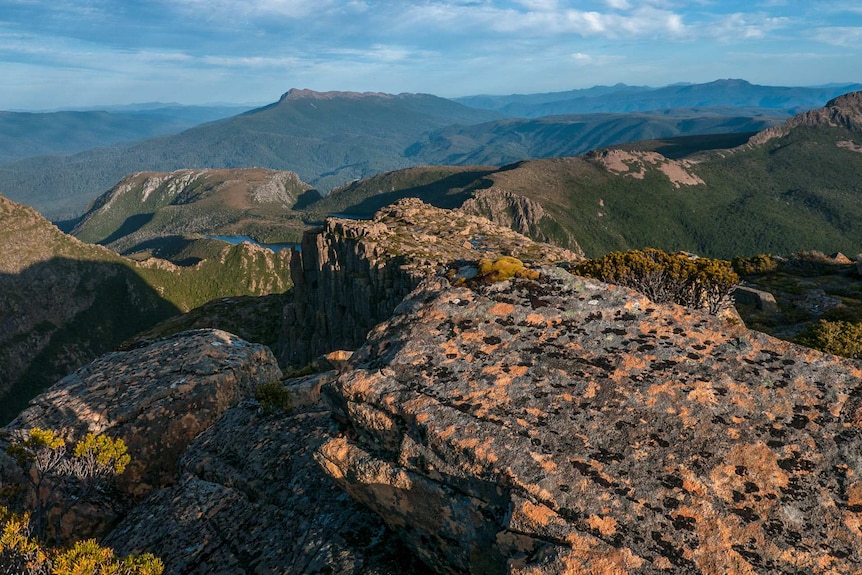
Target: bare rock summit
568,426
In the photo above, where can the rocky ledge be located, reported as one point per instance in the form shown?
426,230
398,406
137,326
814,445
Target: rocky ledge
567,426
157,398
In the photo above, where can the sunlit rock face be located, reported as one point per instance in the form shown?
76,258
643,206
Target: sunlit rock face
567,426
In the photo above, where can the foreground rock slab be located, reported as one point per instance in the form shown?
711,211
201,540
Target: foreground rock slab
156,398
568,426
252,500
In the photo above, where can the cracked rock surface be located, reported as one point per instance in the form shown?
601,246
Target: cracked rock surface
567,426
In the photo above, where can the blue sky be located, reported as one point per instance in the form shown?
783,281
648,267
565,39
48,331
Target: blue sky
68,53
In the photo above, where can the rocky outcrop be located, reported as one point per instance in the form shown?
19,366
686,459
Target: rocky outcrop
350,274
567,426
841,112
156,398
522,214
634,164
252,500
762,300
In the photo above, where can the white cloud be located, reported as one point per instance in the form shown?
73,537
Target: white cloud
845,36
644,21
618,4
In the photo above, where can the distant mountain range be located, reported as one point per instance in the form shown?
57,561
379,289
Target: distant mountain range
787,188
765,100
25,134
327,138
330,139
511,140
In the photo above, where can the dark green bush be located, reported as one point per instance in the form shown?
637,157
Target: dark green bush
273,396
679,278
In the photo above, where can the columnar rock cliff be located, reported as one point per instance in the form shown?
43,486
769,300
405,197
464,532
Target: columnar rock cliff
568,426
350,274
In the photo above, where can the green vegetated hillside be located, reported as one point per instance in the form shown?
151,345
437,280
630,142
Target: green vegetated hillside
442,186
793,188
327,138
63,302
511,140
146,207
24,134
622,98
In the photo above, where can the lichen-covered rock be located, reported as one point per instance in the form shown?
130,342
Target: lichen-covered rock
156,398
350,274
252,500
568,426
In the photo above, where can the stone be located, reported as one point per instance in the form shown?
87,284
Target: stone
568,426
252,500
762,300
351,274
156,398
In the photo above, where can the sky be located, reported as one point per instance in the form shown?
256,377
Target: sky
79,53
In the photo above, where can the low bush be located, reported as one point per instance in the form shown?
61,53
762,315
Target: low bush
273,396
504,268
759,264
663,277
837,337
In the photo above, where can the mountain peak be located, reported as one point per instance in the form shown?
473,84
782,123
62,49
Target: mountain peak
850,103
306,94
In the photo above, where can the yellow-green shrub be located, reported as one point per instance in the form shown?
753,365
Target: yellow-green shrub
663,277
838,337
504,268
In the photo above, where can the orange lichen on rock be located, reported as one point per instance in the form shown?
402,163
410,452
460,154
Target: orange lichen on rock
501,309
591,556
606,525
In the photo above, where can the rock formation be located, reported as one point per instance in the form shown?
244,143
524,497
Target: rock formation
547,426
350,274
252,500
522,214
841,112
567,426
156,398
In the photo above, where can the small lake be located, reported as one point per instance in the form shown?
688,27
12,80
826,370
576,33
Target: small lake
239,239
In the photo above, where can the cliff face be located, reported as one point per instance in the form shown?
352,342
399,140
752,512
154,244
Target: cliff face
522,214
567,426
350,275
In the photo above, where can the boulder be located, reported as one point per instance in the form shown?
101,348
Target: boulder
157,398
567,426
762,300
